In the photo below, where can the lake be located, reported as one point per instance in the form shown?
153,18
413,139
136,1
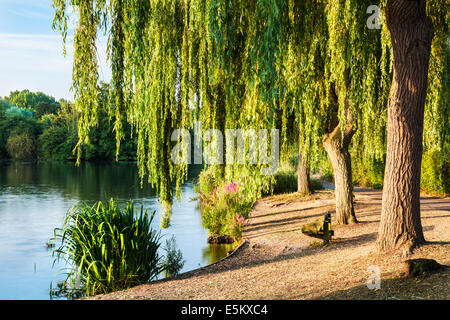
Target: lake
34,198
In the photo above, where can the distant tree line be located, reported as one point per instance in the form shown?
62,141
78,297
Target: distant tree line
34,126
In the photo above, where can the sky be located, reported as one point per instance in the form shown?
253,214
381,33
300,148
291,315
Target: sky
31,53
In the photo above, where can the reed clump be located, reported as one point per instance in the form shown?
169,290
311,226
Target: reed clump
109,248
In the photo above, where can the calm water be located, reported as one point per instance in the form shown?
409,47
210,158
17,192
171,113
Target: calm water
35,197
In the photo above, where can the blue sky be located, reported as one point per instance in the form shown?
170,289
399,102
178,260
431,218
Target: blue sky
31,52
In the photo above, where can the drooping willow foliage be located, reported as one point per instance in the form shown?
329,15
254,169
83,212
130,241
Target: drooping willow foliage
370,148
157,107
303,72
331,47
147,47
240,64
436,160
244,63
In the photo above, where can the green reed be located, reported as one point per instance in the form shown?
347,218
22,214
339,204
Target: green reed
108,249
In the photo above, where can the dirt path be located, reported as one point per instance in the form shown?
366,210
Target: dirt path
278,262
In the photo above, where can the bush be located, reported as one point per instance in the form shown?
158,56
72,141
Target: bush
215,216
237,226
370,174
434,175
56,143
224,207
110,249
328,176
21,147
14,126
286,182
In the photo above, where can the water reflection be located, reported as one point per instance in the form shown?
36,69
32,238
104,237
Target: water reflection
35,196
215,252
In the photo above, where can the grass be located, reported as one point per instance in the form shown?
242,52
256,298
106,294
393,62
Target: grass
110,248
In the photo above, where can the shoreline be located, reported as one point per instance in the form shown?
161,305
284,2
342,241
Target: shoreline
276,261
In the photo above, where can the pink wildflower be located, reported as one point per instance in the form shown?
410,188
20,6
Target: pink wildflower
232,187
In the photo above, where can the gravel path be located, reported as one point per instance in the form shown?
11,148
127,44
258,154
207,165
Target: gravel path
277,261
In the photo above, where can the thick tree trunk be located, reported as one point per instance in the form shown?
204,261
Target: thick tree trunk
303,185
411,34
337,150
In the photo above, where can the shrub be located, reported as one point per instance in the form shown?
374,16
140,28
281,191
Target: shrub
316,185
110,248
214,214
236,201
368,174
434,175
237,225
14,126
56,143
206,183
21,147
286,182
328,176
221,207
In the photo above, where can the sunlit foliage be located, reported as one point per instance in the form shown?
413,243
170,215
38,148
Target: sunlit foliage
248,64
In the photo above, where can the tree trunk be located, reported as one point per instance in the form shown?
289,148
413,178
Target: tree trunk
336,145
411,34
166,192
221,125
303,185
342,170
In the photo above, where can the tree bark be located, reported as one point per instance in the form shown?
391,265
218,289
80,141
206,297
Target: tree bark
411,34
221,124
336,145
166,192
342,170
303,185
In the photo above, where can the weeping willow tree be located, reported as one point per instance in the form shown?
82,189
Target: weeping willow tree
233,74
332,68
147,48
258,64
402,147
304,75
167,57
358,67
